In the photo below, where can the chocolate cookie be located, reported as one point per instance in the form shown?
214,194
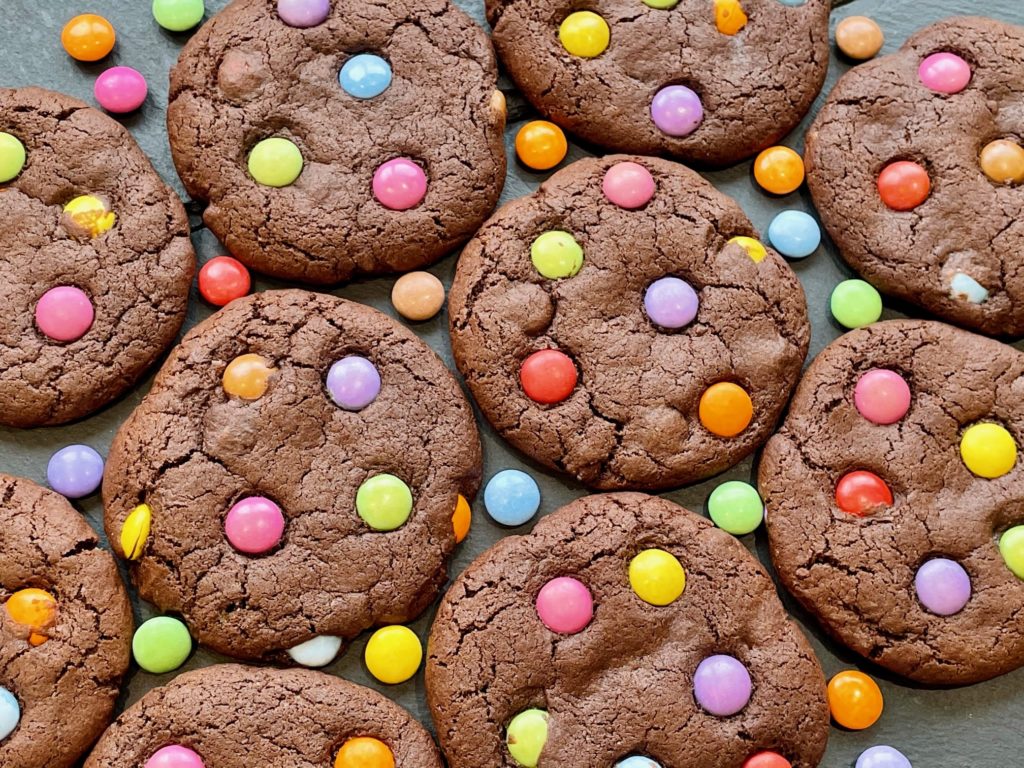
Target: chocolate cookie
706,81
894,499
95,259
623,625
65,629
623,326
357,138
291,478
915,164
230,716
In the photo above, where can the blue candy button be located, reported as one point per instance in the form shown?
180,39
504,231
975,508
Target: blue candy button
365,75
10,713
794,234
512,497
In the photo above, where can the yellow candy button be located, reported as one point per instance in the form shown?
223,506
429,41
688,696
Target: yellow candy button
89,215
584,34
729,16
462,518
247,377
657,577
754,249
393,654
988,450
135,531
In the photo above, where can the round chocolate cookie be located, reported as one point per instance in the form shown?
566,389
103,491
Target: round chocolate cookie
65,629
915,164
894,499
231,716
706,81
291,478
622,325
95,259
360,140
623,625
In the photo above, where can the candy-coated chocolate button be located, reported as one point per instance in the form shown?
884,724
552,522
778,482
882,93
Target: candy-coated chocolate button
1003,161
794,234
965,288
393,654
364,752
729,16
637,761
677,110
353,382
120,90
725,409
671,302
754,249
988,450
736,507
855,303
943,586
657,577
541,145
628,185
779,170
882,757
135,531
75,471
1011,547
584,34
161,645
316,652
565,605
12,157
526,736
882,396
767,760
10,713
275,162
223,279
365,76
64,313
399,184
254,525
859,37
548,376
854,699
861,492
722,685
303,13
511,497
175,756
661,5
88,37
384,502
556,254
247,376
178,15
35,609
462,518
904,185
944,72
417,296
88,216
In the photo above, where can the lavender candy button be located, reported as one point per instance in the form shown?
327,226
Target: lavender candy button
943,586
75,471
671,302
882,757
353,383
722,685
303,13
677,110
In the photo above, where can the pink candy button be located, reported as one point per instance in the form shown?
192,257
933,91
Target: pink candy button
944,73
64,313
175,757
565,605
399,184
120,90
254,525
882,396
628,185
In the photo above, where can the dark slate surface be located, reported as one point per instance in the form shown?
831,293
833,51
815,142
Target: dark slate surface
978,726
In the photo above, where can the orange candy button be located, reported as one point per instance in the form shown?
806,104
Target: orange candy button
247,377
767,760
88,37
34,608
779,170
854,699
462,518
904,185
729,16
364,752
541,145
725,409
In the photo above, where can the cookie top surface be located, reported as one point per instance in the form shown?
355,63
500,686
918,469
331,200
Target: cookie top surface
247,76
242,429
624,684
860,571
953,245
62,660
746,90
234,716
632,420
89,303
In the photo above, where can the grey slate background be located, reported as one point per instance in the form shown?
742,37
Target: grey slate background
978,726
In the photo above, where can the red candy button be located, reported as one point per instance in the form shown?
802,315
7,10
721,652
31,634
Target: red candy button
767,760
904,185
548,376
223,279
861,492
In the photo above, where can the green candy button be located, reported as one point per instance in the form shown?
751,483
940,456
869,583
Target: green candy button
526,737
661,5
556,254
855,304
12,157
275,162
178,15
736,507
1011,547
161,645
384,502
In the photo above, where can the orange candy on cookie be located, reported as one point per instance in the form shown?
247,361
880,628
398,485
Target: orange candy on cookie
725,409
34,608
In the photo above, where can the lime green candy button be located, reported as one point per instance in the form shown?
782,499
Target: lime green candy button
161,645
178,15
657,577
1011,547
556,254
855,304
275,162
526,737
384,502
736,507
12,157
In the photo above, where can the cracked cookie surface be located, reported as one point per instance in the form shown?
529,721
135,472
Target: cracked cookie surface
136,275
624,684
68,684
190,452
632,419
957,253
856,572
247,76
237,717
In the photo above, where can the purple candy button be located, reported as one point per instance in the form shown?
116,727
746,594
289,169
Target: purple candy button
303,13
353,383
671,302
722,685
75,471
677,110
943,586
882,757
